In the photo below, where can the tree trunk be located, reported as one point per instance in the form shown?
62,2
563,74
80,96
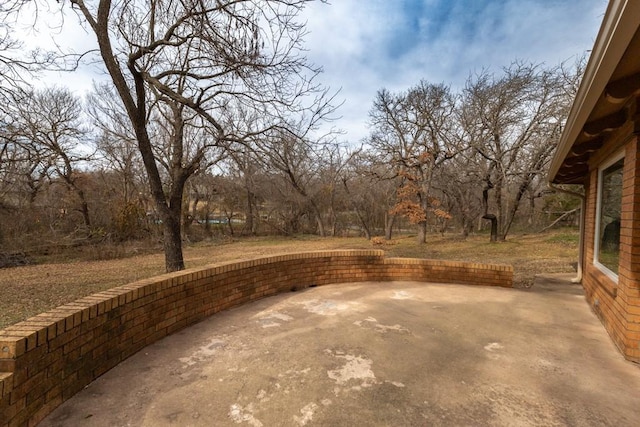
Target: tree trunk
560,218
494,226
512,212
137,112
84,208
229,217
172,243
321,230
389,220
491,217
334,222
425,189
248,222
194,211
532,208
363,224
467,226
500,218
318,215
207,217
422,232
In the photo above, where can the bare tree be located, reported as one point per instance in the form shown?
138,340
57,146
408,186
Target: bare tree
25,171
204,189
201,58
335,159
371,195
49,127
297,163
460,182
245,168
413,133
12,64
115,140
19,64
513,123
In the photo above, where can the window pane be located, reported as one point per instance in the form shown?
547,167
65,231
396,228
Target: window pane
610,213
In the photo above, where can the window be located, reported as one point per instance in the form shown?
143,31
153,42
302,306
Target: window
609,212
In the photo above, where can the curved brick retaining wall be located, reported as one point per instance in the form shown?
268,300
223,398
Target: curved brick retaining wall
50,357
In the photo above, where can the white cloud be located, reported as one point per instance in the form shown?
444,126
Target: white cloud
355,41
346,39
52,26
364,46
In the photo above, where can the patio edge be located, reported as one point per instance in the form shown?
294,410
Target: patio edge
48,358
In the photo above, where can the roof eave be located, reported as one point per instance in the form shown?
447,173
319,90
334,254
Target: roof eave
618,28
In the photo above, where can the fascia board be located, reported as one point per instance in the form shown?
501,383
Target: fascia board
619,25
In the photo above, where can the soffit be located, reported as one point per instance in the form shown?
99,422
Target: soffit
608,94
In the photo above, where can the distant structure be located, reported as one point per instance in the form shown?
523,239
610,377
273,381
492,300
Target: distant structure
600,150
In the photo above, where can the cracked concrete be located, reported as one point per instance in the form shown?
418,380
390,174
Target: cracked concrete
377,354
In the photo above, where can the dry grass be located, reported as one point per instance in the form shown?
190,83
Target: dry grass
29,290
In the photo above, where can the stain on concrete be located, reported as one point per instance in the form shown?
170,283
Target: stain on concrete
262,396
548,367
372,323
274,319
307,414
402,295
328,307
493,346
204,353
395,383
357,369
240,415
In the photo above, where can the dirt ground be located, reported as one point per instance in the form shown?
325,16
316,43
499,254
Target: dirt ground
28,290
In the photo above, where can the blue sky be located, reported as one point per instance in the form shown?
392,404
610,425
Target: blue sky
365,45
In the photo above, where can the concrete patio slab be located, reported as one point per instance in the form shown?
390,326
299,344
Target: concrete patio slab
377,354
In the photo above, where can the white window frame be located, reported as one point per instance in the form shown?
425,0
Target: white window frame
596,241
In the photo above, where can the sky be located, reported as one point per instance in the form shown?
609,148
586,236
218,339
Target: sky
366,45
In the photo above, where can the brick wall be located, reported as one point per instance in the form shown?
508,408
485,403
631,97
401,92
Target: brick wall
617,304
629,274
48,358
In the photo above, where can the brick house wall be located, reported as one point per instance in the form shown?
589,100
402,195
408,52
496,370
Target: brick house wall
50,357
617,304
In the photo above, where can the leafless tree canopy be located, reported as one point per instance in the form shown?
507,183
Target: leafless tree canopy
414,133
210,123
185,73
481,152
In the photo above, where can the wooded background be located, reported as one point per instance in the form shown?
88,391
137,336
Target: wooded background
214,124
